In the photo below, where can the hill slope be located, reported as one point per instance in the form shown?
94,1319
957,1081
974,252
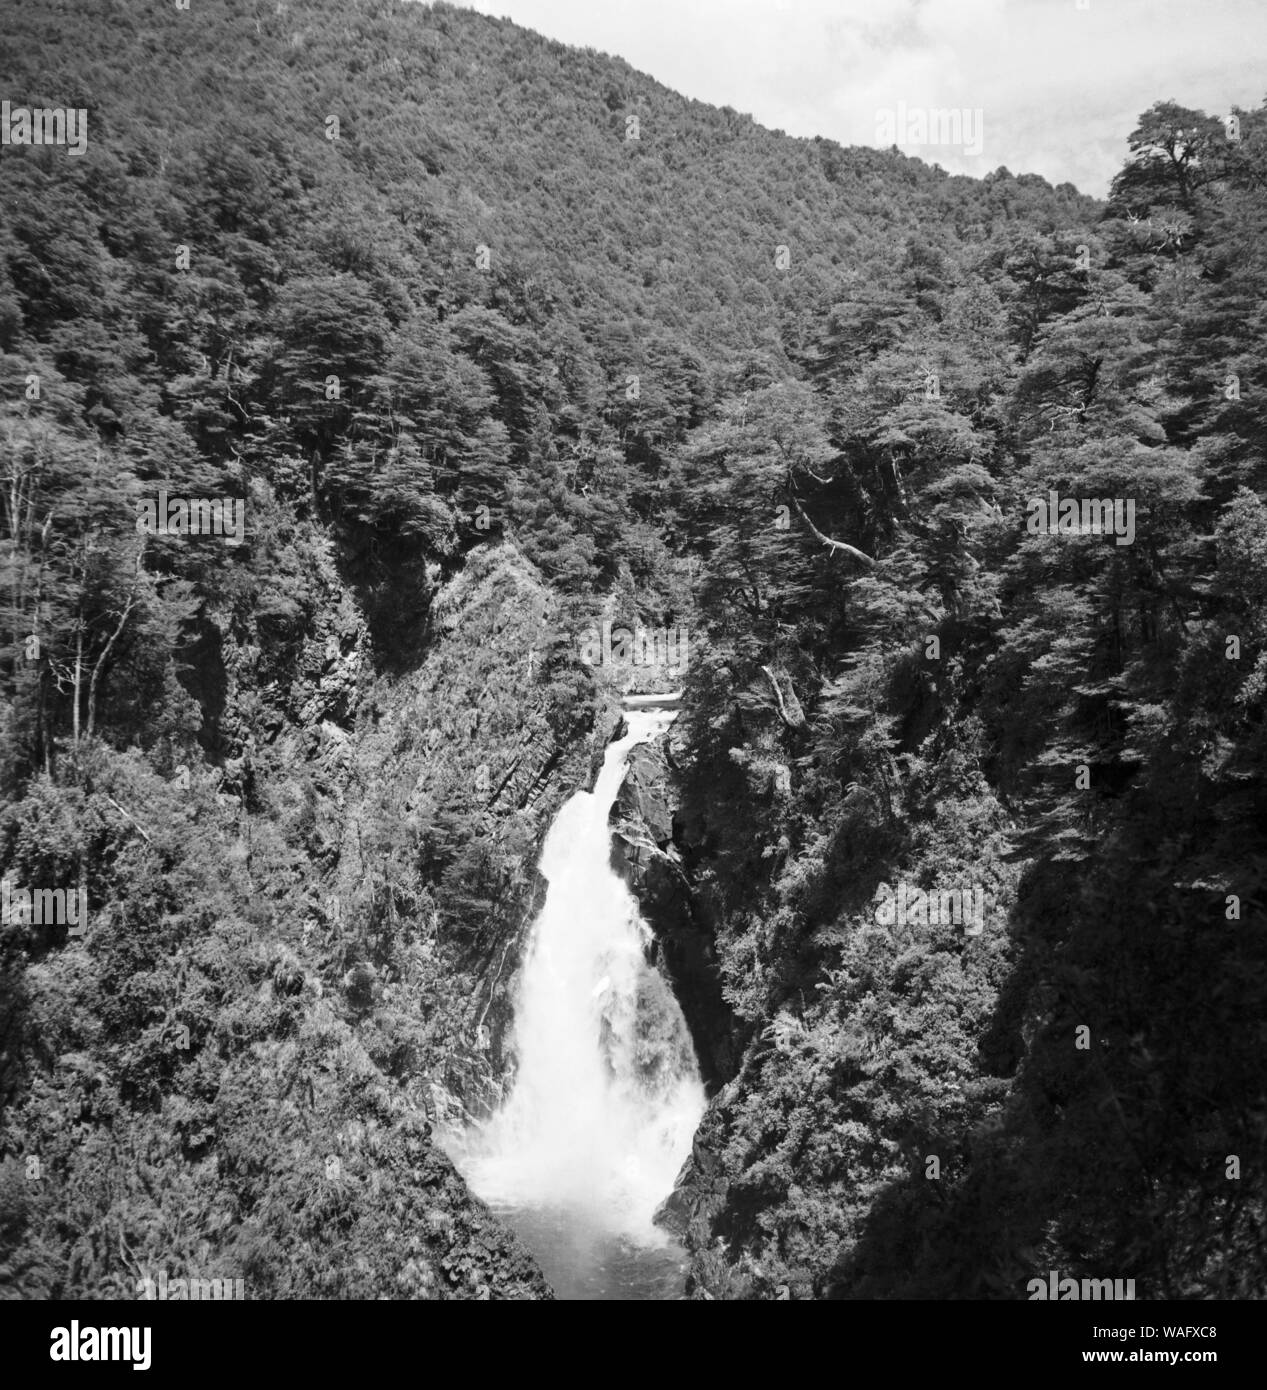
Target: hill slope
482,369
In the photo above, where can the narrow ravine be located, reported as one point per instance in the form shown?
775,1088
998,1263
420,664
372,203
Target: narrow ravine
606,1094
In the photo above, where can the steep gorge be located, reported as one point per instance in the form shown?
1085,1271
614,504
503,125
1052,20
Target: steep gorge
488,375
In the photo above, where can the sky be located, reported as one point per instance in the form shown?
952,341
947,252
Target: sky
1059,84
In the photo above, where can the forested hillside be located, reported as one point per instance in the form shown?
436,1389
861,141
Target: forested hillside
491,339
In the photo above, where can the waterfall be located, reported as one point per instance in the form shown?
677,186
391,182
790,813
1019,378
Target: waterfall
606,1093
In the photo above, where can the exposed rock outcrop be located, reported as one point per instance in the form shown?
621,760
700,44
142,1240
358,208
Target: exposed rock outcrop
644,854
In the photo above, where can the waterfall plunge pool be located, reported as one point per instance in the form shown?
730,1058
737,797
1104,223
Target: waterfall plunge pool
582,1259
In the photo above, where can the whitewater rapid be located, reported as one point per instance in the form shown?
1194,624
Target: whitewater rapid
606,1093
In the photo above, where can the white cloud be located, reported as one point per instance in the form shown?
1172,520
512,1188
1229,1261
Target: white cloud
1060,88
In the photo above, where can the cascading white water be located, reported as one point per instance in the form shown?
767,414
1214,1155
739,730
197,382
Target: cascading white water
607,1094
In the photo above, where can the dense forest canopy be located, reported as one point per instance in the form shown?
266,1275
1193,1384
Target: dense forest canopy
485,336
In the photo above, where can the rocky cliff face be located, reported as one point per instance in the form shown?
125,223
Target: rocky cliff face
648,852
645,854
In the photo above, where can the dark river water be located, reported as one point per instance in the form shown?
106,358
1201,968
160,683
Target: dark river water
582,1262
